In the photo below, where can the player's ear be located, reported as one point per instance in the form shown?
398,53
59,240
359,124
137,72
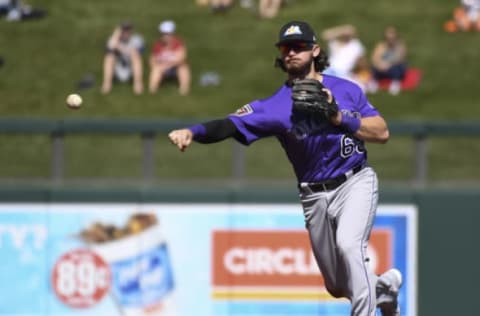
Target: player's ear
316,50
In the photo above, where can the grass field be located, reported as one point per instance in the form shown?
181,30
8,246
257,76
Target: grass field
45,59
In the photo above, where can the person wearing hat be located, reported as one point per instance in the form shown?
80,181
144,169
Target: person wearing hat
347,54
123,58
337,187
168,59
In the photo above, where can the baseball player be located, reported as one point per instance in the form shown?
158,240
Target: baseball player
322,123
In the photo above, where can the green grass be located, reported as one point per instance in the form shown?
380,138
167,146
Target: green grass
45,59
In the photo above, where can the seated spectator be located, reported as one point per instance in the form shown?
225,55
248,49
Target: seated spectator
202,2
123,59
346,54
4,6
269,8
466,17
389,59
169,59
220,6
16,10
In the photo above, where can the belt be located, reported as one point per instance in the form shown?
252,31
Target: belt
330,184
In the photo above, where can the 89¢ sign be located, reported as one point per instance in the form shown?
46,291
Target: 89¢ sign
81,278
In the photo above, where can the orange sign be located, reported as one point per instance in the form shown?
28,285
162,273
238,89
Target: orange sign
278,259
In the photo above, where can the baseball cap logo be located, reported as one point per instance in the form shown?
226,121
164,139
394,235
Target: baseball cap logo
294,29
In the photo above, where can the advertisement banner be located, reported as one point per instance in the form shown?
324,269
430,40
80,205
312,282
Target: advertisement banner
181,260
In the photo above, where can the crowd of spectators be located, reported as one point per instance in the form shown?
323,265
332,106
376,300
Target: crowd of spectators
123,59
465,17
17,10
125,50
349,59
266,9
168,58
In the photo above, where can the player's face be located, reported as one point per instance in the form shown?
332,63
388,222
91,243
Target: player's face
297,56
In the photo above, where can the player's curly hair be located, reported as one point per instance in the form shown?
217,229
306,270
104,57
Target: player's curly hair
320,62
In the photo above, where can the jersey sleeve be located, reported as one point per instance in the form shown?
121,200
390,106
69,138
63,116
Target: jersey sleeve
251,122
364,106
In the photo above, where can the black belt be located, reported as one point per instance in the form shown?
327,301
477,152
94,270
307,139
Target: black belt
330,184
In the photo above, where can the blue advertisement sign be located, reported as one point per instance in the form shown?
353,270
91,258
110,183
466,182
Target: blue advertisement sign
180,260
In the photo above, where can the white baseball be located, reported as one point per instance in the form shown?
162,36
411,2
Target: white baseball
74,101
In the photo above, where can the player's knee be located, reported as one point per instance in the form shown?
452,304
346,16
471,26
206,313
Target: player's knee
348,247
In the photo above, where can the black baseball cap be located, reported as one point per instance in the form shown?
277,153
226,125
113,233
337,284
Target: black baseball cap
296,31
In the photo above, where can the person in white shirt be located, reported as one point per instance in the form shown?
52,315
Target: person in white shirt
346,52
123,59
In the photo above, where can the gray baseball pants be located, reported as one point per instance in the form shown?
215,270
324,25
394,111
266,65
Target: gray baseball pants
339,223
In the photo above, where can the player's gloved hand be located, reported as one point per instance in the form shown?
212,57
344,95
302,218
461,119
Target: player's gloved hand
311,97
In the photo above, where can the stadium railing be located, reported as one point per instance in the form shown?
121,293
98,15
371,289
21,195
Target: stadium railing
148,129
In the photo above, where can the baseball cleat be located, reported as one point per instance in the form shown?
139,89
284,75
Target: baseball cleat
387,288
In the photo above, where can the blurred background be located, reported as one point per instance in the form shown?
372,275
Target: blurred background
231,55
114,148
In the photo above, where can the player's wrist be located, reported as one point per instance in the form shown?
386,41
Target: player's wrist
350,123
197,130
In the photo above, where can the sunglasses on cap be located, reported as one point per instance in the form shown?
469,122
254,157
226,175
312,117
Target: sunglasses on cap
295,46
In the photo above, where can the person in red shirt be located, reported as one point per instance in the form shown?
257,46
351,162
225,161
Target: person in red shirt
169,59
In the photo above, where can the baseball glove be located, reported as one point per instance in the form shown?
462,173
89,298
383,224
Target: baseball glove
311,98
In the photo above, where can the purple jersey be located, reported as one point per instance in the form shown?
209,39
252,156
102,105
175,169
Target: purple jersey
317,150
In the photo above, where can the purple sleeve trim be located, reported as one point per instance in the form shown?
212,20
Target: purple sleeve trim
350,123
198,130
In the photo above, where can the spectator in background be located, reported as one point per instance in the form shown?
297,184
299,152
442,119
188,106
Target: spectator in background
123,58
269,8
4,6
220,6
466,17
389,59
16,10
169,59
347,54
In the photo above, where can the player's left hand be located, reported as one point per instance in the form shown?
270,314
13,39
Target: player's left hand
182,138
311,97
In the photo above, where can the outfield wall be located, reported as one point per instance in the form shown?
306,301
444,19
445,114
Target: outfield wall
446,253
